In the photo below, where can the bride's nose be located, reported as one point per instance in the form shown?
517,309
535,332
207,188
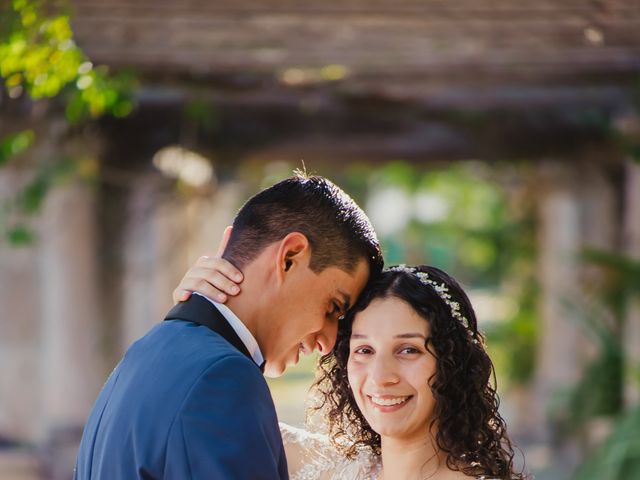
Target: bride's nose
382,371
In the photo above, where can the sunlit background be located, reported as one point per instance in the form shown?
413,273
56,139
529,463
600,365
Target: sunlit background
499,141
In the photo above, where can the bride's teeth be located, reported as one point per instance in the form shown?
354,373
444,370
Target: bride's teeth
389,401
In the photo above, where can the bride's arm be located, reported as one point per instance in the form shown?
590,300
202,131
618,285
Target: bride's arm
309,455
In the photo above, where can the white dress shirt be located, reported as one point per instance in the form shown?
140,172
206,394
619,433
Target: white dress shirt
241,330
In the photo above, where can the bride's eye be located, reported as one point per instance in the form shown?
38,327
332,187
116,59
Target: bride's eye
410,350
363,351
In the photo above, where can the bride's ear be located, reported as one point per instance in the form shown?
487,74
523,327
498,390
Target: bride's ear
294,251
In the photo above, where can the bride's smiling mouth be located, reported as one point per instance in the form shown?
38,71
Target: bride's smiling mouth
388,403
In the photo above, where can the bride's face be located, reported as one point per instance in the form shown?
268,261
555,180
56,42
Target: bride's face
389,368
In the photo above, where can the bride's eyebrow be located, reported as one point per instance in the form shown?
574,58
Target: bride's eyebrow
359,336
411,335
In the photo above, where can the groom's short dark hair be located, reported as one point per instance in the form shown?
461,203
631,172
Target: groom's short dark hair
339,232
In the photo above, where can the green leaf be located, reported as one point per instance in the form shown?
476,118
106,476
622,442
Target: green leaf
20,236
15,144
34,194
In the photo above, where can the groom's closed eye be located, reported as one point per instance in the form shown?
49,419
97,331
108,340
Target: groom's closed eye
337,309
345,305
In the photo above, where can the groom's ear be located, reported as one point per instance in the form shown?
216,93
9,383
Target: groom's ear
294,252
224,241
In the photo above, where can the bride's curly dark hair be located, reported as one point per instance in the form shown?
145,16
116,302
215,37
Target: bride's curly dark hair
469,430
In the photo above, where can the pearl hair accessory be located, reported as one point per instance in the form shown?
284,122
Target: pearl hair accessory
442,291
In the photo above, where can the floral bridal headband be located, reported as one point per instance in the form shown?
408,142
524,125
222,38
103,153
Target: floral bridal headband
441,289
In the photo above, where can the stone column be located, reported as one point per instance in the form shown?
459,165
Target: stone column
70,353
561,341
560,237
632,249
19,330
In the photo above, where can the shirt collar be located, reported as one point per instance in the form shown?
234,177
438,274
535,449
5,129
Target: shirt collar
241,330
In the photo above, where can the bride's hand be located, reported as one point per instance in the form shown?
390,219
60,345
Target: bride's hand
211,276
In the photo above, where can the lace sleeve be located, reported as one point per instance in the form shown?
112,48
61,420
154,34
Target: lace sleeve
310,456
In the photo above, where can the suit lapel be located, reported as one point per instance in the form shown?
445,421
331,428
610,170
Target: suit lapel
201,311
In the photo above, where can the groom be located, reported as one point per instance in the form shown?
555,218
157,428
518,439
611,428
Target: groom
188,400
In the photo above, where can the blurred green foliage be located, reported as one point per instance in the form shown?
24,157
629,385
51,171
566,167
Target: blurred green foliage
619,456
39,58
15,144
600,391
513,342
461,218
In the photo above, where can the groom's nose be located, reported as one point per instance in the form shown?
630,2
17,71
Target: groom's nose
325,339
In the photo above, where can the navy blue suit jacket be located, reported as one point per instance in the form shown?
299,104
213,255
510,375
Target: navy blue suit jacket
185,402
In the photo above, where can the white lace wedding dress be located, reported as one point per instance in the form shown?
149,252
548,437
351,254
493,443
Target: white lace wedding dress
310,456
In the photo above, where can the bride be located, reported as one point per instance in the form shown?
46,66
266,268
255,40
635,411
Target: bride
407,392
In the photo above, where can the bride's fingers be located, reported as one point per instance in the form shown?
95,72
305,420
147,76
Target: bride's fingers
211,276
216,278
220,265
201,286
180,295
206,281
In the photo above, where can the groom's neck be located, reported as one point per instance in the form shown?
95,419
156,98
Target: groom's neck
249,304
243,311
